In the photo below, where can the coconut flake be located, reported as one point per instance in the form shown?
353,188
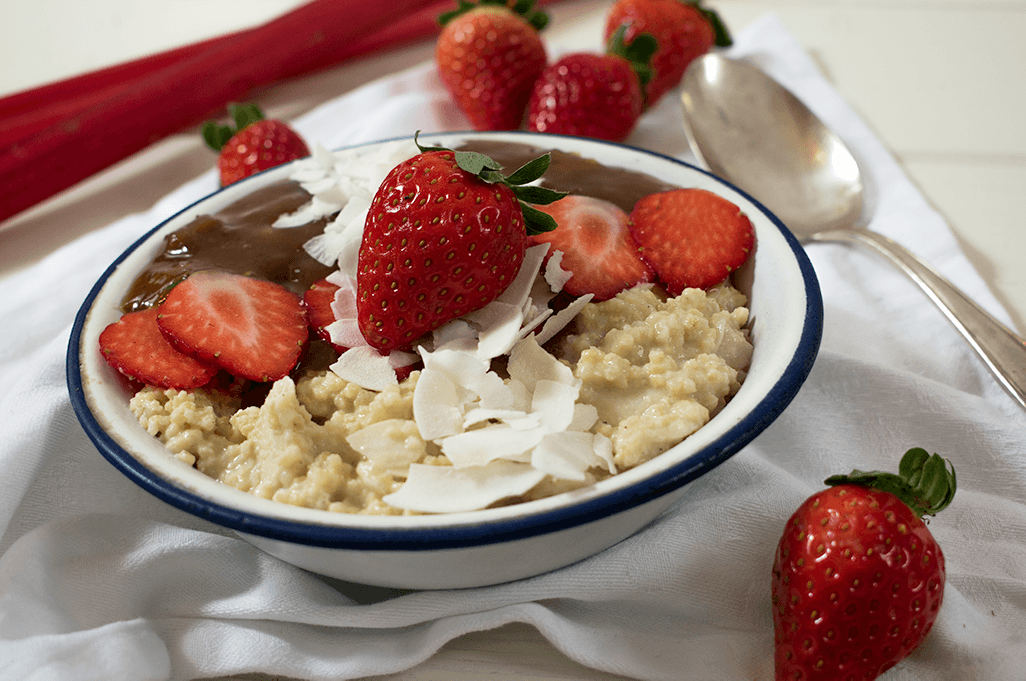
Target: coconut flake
399,359
565,455
604,451
365,367
388,445
554,401
444,489
529,363
501,441
436,407
558,321
555,275
585,416
514,418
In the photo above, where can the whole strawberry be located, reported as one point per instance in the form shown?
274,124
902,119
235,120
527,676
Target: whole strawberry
488,57
593,95
445,235
683,30
858,579
253,144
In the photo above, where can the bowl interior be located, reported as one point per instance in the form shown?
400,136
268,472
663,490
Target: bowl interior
786,326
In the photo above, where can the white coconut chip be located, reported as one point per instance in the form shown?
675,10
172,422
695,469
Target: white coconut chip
444,489
518,292
555,275
604,451
457,335
321,247
500,328
566,455
558,321
399,359
365,367
388,446
436,407
529,363
500,441
344,304
554,401
514,418
585,416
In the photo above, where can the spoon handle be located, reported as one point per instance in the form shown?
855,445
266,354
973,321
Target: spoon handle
998,346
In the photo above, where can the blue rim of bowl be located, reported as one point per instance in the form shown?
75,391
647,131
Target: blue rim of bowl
777,398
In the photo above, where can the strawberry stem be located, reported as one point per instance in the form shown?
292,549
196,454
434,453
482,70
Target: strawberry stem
723,38
487,169
216,135
638,53
924,481
524,8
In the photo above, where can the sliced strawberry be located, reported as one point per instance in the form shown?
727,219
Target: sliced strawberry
597,247
691,237
317,302
252,328
135,346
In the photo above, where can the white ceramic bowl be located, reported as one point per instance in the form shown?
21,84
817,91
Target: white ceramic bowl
492,545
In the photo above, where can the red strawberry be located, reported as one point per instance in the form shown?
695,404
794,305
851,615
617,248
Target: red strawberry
135,346
592,95
488,57
317,302
858,578
683,30
253,328
691,237
597,247
254,144
445,235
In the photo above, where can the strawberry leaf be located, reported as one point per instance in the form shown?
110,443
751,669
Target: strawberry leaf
638,53
723,38
476,163
530,171
245,115
216,135
924,481
538,196
536,221
487,169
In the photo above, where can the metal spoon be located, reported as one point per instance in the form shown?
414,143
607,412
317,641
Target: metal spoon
750,130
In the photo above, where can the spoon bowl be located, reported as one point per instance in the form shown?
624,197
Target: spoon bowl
750,130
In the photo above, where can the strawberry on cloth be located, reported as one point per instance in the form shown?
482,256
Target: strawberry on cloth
683,30
489,54
593,95
858,578
252,328
253,144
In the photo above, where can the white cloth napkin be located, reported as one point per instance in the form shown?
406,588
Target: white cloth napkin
98,580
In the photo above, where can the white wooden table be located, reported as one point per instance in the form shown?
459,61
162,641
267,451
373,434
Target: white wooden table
941,83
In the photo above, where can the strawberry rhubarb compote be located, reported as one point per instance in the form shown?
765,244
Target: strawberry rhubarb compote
541,361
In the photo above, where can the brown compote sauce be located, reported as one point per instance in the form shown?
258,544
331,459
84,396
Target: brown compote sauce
240,239
237,239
